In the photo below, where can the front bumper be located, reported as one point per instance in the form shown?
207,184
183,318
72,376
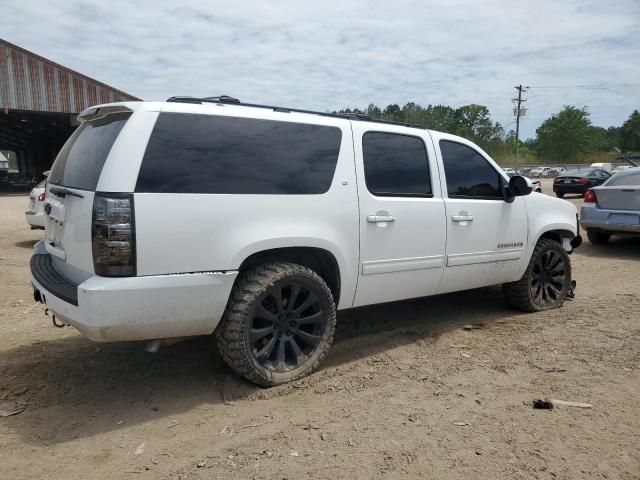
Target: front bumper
134,308
612,221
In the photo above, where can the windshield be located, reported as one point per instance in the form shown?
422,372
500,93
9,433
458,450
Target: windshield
580,173
80,162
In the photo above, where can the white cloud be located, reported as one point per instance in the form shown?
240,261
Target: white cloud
327,55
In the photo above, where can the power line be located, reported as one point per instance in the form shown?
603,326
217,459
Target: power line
585,87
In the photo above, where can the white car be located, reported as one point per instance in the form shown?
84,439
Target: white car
510,171
622,168
274,218
35,212
540,172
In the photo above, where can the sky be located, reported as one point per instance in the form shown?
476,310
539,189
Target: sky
327,55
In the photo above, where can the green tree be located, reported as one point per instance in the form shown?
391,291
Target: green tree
474,123
565,136
440,117
630,133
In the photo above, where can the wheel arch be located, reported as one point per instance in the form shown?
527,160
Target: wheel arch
557,234
320,260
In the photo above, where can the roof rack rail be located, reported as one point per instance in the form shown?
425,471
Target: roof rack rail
234,101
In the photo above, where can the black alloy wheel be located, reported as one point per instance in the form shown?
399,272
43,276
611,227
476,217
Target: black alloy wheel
287,324
279,323
546,283
548,278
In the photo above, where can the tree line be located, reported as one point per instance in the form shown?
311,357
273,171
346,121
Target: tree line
565,137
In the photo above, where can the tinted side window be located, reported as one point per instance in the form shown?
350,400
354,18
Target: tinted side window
468,173
395,165
214,154
79,163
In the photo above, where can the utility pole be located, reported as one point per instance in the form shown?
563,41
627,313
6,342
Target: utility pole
518,111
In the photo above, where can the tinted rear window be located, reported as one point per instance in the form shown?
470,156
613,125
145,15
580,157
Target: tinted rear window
80,162
630,178
215,154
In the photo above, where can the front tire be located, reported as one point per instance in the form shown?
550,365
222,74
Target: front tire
279,323
598,238
546,282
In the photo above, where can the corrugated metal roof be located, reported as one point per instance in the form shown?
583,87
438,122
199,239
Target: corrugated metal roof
31,82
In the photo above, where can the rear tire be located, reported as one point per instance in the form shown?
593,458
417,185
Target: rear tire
279,323
559,194
546,282
598,238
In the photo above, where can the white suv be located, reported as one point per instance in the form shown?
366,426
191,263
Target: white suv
256,223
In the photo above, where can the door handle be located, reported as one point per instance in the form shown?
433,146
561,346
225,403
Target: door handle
380,218
462,218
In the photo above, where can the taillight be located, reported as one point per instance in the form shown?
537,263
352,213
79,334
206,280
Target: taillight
583,180
113,235
590,197
41,197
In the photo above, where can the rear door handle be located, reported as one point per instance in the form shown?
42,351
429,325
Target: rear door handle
380,218
462,218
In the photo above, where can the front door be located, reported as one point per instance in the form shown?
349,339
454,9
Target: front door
402,218
486,236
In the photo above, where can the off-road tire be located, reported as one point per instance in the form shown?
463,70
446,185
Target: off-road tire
598,238
233,334
520,295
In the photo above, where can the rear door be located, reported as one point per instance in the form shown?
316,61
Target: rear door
402,223
70,190
486,236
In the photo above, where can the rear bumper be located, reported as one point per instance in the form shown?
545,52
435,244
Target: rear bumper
606,220
35,219
569,188
135,308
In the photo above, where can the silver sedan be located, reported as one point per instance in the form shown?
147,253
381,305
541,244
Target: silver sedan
613,208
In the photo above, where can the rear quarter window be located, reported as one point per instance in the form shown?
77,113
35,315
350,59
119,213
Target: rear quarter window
190,153
79,163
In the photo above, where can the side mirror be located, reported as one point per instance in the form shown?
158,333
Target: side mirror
518,187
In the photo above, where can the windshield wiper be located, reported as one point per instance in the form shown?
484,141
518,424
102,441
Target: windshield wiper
63,192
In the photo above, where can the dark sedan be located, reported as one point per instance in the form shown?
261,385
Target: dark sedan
579,182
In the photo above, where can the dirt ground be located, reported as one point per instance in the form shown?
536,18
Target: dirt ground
405,392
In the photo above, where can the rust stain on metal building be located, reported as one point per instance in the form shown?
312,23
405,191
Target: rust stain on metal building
29,82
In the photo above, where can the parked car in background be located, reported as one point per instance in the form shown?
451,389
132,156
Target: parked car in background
536,184
621,168
604,166
540,172
575,181
35,210
510,171
320,212
613,208
557,171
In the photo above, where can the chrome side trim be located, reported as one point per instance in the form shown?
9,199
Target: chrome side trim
401,264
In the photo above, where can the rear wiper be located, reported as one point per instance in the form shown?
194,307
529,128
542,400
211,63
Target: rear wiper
63,192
